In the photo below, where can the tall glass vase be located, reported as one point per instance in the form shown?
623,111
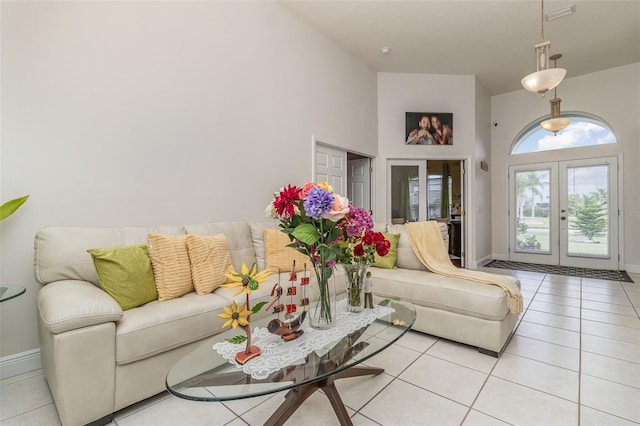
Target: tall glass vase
322,313
356,274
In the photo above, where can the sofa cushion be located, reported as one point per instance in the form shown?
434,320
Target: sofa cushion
125,273
171,266
61,251
257,237
427,289
238,235
388,261
279,257
210,260
407,259
160,326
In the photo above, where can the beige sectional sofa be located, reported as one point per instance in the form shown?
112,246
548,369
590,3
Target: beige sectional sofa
98,359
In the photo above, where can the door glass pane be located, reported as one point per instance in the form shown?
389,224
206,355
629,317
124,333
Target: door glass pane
588,199
437,206
405,185
533,229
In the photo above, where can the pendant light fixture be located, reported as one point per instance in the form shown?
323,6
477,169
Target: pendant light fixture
543,79
555,123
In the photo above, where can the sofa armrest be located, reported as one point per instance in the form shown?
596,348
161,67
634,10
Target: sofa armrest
72,304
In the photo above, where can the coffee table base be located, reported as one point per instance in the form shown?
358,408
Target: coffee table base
295,397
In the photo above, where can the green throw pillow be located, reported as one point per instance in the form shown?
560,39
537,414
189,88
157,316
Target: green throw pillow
125,273
388,261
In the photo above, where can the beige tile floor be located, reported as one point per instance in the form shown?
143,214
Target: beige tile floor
574,360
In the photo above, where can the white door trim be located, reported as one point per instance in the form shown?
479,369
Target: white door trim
318,140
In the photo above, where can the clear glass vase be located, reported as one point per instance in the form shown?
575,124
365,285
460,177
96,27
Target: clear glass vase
356,274
322,313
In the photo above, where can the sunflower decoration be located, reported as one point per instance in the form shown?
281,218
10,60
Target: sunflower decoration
247,281
235,316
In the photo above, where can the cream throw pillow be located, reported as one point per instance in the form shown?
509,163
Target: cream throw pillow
278,256
171,267
210,260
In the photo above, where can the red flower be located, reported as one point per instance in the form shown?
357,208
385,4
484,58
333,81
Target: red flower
383,248
285,203
358,250
378,237
368,238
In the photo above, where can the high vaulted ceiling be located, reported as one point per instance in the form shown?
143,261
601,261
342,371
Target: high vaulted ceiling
490,39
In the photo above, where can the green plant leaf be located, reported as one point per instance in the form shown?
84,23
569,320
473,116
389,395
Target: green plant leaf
257,307
11,206
253,285
306,233
236,340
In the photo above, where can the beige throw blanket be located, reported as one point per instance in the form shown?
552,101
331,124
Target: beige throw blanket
426,241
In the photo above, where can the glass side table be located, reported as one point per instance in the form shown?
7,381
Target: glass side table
10,292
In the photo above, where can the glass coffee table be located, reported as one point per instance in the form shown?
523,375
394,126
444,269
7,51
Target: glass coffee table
205,375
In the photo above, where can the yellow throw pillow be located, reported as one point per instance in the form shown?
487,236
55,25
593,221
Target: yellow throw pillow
278,256
171,267
210,260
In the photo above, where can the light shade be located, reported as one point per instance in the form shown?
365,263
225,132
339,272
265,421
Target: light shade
555,124
543,80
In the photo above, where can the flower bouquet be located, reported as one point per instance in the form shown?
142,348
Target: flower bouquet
357,251
312,216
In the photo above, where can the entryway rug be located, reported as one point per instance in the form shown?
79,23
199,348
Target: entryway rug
601,274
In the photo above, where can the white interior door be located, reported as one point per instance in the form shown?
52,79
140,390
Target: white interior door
359,182
331,167
565,213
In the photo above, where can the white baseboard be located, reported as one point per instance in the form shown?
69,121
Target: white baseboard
495,256
483,261
12,365
634,269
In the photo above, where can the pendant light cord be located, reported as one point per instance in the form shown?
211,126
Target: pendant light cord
542,18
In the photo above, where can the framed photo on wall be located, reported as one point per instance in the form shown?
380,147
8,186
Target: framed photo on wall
428,128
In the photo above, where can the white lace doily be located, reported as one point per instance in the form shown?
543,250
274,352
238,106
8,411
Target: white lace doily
277,354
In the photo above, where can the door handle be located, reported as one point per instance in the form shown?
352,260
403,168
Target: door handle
562,217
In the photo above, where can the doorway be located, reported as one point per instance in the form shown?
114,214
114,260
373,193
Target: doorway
347,172
422,190
565,213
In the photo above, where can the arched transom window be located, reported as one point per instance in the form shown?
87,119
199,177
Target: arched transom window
584,130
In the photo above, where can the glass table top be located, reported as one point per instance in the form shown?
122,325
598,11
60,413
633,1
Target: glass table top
10,291
204,375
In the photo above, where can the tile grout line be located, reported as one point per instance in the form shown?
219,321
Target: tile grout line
580,360
394,378
496,363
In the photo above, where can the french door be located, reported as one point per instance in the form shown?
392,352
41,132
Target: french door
565,213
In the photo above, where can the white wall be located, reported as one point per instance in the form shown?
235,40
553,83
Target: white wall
143,113
482,179
399,93
613,95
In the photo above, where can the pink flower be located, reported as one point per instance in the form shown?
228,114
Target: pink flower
305,190
339,209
